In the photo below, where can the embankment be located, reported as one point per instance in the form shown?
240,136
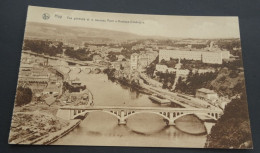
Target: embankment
59,134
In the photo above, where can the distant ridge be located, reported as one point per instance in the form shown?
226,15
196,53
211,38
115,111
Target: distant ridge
60,32
37,30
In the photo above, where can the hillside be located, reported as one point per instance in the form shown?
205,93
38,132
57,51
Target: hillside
50,31
233,128
228,82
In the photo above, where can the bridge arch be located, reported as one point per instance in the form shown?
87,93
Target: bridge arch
157,113
195,113
75,68
87,70
109,112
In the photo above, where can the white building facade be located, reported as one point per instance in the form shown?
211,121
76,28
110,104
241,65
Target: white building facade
206,94
134,61
212,57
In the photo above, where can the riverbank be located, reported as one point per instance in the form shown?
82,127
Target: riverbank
38,124
32,126
59,134
132,84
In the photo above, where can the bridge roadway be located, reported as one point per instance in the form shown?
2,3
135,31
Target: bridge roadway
123,112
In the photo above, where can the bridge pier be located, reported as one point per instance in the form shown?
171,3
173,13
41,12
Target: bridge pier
208,126
171,119
171,122
122,120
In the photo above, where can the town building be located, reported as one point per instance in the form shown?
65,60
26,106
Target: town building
138,47
75,83
206,94
120,57
165,69
225,54
78,96
176,54
212,57
134,61
34,78
119,64
201,71
147,57
117,50
161,68
192,42
143,59
97,59
52,90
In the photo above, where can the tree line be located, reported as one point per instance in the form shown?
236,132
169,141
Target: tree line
232,130
166,78
171,63
43,47
195,81
23,96
151,68
80,54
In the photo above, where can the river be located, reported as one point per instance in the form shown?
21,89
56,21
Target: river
99,128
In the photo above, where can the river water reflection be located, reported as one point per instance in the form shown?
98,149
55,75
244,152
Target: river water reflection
145,129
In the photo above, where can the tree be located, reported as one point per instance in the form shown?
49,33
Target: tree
80,54
110,73
181,86
233,128
43,47
171,63
151,68
195,81
23,96
112,57
233,74
121,67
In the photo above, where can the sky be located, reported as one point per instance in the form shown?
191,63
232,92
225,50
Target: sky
148,25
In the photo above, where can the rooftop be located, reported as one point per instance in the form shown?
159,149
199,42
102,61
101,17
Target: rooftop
206,91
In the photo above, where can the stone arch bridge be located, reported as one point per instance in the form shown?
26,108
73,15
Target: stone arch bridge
84,68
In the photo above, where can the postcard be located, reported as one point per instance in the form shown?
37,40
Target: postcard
113,79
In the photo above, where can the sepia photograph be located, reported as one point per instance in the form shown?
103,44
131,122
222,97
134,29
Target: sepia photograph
116,79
